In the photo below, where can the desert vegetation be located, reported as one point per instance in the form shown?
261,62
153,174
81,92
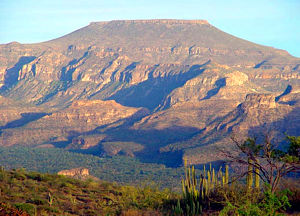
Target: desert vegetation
33,193
260,180
120,169
219,193
235,195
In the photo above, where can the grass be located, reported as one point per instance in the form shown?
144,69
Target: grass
33,193
49,194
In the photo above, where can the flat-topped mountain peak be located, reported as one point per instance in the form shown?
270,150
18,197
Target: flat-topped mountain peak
154,21
155,83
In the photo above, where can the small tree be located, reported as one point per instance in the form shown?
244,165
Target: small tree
268,162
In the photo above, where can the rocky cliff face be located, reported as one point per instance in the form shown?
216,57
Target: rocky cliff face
257,115
74,172
78,173
63,126
148,85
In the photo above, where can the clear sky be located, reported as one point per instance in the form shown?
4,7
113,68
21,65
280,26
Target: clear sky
269,22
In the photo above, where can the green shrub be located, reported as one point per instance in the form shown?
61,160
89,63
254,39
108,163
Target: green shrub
273,202
35,176
48,208
3,176
246,204
36,200
27,207
19,175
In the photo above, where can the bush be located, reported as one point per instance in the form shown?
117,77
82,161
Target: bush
294,196
249,203
48,209
36,201
3,176
27,207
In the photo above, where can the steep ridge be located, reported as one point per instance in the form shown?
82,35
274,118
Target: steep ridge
16,114
130,52
257,115
177,85
60,127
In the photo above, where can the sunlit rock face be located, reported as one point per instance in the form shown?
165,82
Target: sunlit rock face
145,88
73,172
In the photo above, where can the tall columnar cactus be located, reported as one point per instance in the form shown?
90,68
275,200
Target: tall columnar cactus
196,191
226,174
192,193
220,178
257,178
213,178
209,183
250,174
50,199
223,180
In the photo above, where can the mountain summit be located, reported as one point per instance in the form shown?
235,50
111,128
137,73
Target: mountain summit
162,89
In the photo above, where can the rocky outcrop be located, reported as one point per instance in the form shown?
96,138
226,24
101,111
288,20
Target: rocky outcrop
236,78
45,67
12,113
75,172
121,148
257,110
258,114
86,141
290,96
66,125
257,101
86,115
78,173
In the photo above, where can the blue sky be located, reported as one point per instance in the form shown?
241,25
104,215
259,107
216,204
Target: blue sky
269,22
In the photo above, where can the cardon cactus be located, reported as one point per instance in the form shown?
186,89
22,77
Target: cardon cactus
257,178
250,174
195,191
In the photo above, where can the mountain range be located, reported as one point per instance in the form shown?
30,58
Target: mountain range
160,90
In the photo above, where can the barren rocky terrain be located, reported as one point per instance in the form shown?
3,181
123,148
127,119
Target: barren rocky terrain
159,90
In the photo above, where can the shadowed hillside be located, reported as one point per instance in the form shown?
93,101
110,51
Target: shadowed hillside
160,89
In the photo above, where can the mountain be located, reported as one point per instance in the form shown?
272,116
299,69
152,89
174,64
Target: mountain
159,90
